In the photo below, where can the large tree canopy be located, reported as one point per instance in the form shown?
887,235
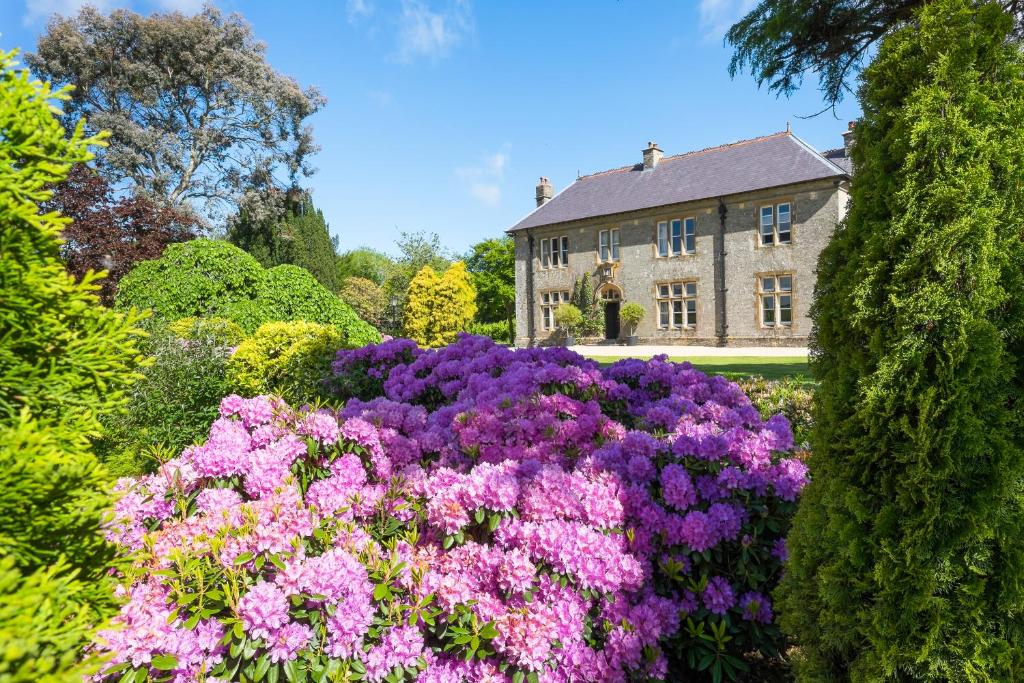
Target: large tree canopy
491,265
781,40
196,114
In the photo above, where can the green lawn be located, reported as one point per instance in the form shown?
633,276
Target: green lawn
737,367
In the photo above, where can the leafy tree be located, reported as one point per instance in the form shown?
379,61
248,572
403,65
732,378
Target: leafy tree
438,308
780,40
491,265
113,232
416,251
367,298
365,263
197,114
206,278
64,360
907,552
296,233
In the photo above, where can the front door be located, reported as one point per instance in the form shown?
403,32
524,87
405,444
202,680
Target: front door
611,320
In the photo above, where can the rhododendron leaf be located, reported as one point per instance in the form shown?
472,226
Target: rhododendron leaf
262,666
518,677
243,558
238,630
192,621
381,592
532,677
273,674
164,662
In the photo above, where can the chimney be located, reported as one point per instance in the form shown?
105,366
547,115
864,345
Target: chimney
544,191
652,155
848,137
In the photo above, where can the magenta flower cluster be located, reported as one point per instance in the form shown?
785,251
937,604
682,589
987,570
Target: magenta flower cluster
473,513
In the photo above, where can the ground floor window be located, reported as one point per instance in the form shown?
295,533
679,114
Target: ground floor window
775,296
677,305
549,301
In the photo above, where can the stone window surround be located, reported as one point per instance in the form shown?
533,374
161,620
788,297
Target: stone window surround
549,246
547,309
776,294
684,223
774,204
614,245
685,297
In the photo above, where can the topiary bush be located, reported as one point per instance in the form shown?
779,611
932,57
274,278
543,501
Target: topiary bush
199,278
492,514
204,278
290,359
64,361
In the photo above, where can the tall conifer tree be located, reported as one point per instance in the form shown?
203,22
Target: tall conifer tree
907,552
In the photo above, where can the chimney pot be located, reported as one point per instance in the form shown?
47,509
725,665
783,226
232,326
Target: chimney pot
848,137
544,191
652,155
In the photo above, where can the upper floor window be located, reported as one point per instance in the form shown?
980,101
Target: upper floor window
554,252
608,245
678,236
549,302
775,294
677,305
776,225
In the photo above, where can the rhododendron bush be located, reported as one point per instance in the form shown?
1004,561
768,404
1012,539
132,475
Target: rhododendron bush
472,513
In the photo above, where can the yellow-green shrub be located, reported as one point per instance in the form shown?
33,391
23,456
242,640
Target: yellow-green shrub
438,308
221,330
289,359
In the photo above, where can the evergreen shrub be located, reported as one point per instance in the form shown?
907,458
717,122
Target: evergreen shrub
290,359
908,548
65,360
438,308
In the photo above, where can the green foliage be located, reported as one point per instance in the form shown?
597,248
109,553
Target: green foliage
786,396
491,265
438,308
907,552
631,314
583,299
416,251
203,278
221,330
176,400
297,234
500,332
569,318
290,359
64,360
366,263
366,298
200,278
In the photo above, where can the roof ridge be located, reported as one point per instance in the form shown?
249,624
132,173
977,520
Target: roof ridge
694,152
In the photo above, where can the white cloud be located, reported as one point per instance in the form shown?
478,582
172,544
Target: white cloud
716,16
429,33
40,10
358,10
484,180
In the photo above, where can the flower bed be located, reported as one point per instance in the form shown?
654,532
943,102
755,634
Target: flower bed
472,513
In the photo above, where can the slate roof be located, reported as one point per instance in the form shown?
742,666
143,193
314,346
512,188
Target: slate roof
839,158
768,161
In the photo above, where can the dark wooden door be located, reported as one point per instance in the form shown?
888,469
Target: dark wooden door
611,320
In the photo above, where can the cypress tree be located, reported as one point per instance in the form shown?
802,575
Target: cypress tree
297,235
907,551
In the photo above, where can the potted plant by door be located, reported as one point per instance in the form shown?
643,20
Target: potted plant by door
569,319
630,315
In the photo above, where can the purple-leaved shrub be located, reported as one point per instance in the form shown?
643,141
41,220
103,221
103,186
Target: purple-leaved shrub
485,514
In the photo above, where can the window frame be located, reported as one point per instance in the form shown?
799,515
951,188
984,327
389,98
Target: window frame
608,241
776,233
676,299
775,296
554,252
676,237
550,300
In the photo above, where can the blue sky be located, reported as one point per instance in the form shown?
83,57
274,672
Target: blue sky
442,114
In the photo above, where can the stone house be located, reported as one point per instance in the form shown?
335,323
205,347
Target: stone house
719,246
